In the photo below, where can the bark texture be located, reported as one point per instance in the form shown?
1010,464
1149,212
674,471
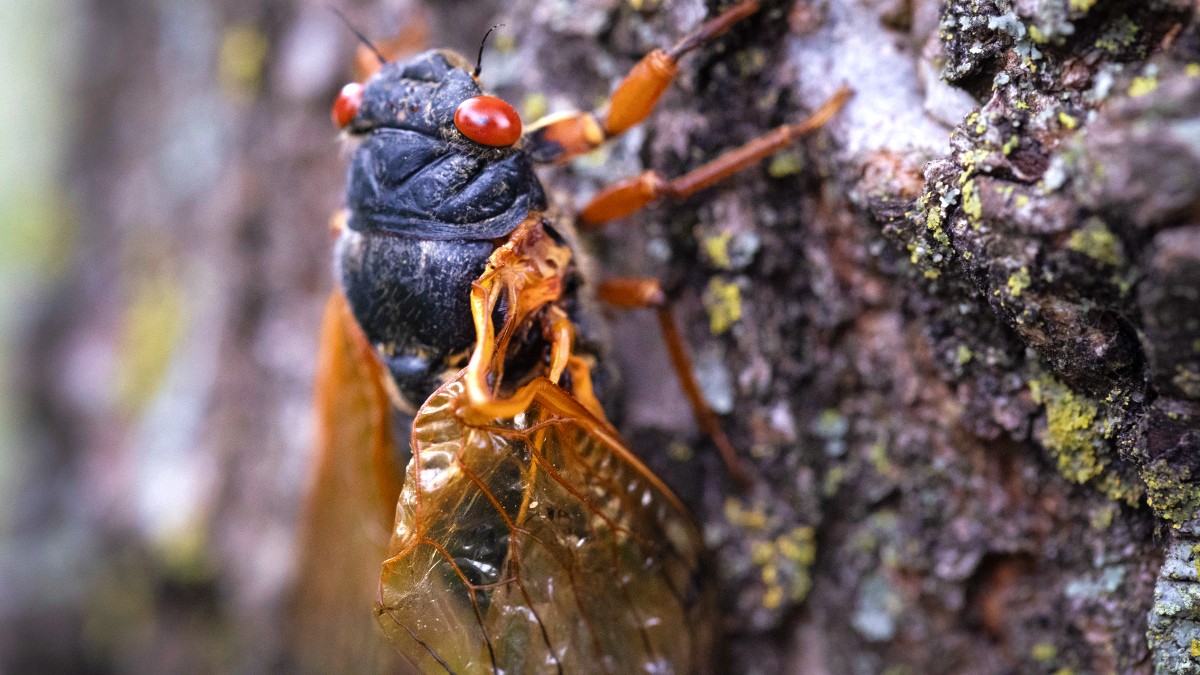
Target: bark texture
956,333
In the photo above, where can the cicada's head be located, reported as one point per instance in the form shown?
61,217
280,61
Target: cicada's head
438,159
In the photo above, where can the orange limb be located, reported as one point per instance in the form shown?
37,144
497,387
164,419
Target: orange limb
560,138
337,223
562,338
564,405
631,194
527,270
639,293
483,404
581,386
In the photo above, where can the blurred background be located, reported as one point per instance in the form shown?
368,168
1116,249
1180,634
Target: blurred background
167,173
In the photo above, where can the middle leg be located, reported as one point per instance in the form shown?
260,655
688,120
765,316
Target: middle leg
624,197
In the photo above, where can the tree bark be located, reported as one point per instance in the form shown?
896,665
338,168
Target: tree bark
955,333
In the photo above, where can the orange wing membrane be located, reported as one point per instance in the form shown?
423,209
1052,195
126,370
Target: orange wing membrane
349,509
533,546
528,539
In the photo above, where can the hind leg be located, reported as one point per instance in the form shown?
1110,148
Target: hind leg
640,293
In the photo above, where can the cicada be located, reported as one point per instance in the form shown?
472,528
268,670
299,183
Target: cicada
526,538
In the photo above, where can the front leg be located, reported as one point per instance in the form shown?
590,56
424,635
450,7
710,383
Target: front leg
562,137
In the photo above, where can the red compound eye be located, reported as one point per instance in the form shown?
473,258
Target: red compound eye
346,106
488,120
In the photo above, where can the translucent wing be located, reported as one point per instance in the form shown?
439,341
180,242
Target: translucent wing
539,544
348,511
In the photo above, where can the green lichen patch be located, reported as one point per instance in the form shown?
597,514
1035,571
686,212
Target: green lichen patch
972,206
1018,281
753,517
773,555
1140,86
926,235
1186,381
785,164
1120,36
1079,434
1097,242
784,564
723,300
153,323
933,222
1172,493
1044,651
1070,434
242,59
716,249
963,355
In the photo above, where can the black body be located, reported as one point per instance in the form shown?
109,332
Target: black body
427,206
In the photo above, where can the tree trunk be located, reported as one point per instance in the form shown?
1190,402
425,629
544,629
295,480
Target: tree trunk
955,334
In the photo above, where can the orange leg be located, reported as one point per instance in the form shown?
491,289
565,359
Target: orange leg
638,293
627,196
483,402
581,386
560,138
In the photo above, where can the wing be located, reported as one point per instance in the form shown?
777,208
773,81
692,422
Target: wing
350,503
537,545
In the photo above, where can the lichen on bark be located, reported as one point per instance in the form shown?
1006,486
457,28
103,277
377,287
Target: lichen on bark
1067,207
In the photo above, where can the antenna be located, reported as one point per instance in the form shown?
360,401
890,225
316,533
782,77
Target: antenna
479,61
361,38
